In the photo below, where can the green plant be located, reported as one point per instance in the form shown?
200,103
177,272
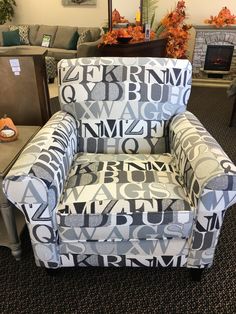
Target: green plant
148,12
105,26
6,10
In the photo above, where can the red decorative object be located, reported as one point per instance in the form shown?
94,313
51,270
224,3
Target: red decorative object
223,18
8,130
117,18
135,32
173,27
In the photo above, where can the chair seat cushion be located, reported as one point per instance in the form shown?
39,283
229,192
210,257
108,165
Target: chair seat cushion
149,253
123,197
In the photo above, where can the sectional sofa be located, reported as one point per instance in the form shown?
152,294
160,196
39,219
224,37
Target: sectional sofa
65,41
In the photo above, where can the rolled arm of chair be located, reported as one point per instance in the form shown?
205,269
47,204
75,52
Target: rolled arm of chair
89,49
35,183
209,177
200,160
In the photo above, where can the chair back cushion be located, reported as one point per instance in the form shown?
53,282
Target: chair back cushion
124,104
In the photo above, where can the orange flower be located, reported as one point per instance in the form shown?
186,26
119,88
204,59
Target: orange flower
223,18
176,31
135,32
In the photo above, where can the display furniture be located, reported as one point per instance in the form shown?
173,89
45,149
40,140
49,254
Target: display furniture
11,220
233,112
149,48
51,68
24,86
63,44
123,175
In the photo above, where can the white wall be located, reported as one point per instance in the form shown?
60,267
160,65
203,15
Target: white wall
197,10
52,12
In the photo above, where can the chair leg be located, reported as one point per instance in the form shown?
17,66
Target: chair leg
196,274
51,80
233,113
52,271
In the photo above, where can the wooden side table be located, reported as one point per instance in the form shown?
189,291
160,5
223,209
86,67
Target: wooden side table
152,48
9,228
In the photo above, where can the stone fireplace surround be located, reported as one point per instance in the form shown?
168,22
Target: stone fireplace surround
210,35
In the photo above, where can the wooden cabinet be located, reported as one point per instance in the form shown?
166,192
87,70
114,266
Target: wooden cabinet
24,94
151,48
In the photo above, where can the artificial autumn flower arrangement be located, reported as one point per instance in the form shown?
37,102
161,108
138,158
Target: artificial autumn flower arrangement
136,32
223,18
173,27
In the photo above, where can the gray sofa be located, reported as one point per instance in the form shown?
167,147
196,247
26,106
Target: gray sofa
61,36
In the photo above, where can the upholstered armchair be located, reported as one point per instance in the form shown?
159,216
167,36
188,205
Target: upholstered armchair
123,175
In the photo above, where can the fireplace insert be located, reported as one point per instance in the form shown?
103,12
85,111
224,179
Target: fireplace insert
218,58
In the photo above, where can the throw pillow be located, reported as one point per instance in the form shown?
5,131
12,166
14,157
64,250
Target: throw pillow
73,41
45,29
63,36
23,31
11,38
85,37
3,28
33,29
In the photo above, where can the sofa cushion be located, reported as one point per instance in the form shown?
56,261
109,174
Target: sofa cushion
33,29
108,197
45,30
84,37
3,28
23,32
11,38
59,53
73,42
63,37
94,31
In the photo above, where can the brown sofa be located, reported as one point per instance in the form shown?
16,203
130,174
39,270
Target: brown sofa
60,42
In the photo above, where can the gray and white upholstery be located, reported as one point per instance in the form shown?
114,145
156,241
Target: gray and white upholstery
51,68
123,175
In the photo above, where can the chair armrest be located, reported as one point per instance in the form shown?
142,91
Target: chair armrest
200,160
36,181
89,49
209,177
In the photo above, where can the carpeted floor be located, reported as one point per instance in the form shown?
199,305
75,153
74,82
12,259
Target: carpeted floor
24,288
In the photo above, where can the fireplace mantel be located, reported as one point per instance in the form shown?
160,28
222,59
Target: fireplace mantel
211,35
209,27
